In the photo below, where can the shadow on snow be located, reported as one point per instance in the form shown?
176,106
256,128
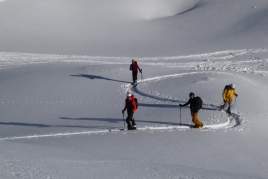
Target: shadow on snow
46,125
92,77
121,121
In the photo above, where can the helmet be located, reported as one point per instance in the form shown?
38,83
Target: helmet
191,94
133,60
232,85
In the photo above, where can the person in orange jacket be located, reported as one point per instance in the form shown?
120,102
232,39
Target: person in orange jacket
134,67
227,95
130,106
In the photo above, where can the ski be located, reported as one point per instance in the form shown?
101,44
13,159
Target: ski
115,130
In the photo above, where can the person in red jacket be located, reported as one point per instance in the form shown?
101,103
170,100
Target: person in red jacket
134,67
130,106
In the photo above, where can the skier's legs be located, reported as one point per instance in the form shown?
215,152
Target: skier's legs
224,106
230,106
195,120
133,121
128,119
135,75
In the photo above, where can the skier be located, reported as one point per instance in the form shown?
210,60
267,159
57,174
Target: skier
135,67
194,107
131,107
227,95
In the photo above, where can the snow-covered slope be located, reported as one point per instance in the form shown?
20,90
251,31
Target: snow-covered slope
120,28
61,111
65,112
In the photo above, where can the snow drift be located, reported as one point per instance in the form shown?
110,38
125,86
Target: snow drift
122,27
80,27
154,9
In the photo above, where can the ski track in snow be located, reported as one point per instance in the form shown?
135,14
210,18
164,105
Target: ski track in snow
214,63
228,124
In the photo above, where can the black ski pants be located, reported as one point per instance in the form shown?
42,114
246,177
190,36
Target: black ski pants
130,120
134,75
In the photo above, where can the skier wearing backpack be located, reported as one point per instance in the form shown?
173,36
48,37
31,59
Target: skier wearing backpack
131,107
227,95
134,67
195,105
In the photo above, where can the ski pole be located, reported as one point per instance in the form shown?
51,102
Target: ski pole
141,77
124,120
180,115
234,102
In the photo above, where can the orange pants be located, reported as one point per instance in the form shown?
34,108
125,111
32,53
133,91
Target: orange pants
195,119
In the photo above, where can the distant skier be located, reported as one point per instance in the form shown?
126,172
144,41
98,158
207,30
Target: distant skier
131,107
134,67
195,105
227,95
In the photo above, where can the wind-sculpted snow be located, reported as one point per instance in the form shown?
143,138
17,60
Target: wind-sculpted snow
244,60
154,9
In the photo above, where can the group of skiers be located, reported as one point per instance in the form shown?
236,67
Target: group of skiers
195,102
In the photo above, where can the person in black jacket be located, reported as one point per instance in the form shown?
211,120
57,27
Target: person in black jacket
194,111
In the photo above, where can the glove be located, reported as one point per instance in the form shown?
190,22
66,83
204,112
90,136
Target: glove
180,105
123,111
236,95
141,71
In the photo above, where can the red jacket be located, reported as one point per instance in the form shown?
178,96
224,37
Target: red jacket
130,105
134,67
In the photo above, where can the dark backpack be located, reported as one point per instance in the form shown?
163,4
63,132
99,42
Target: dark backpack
136,101
197,103
227,87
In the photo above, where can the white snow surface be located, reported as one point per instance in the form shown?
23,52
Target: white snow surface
64,74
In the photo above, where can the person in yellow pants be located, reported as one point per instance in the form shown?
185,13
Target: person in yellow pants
195,119
194,109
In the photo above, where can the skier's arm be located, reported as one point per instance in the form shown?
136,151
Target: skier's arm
235,93
185,103
139,68
130,68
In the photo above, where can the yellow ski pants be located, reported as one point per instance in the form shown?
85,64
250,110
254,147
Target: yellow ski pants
195,119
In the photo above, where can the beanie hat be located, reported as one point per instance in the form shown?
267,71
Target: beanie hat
191,94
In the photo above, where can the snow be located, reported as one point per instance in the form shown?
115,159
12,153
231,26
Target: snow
64,77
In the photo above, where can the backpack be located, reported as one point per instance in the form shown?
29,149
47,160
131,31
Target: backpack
227,87
136,101
197,103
